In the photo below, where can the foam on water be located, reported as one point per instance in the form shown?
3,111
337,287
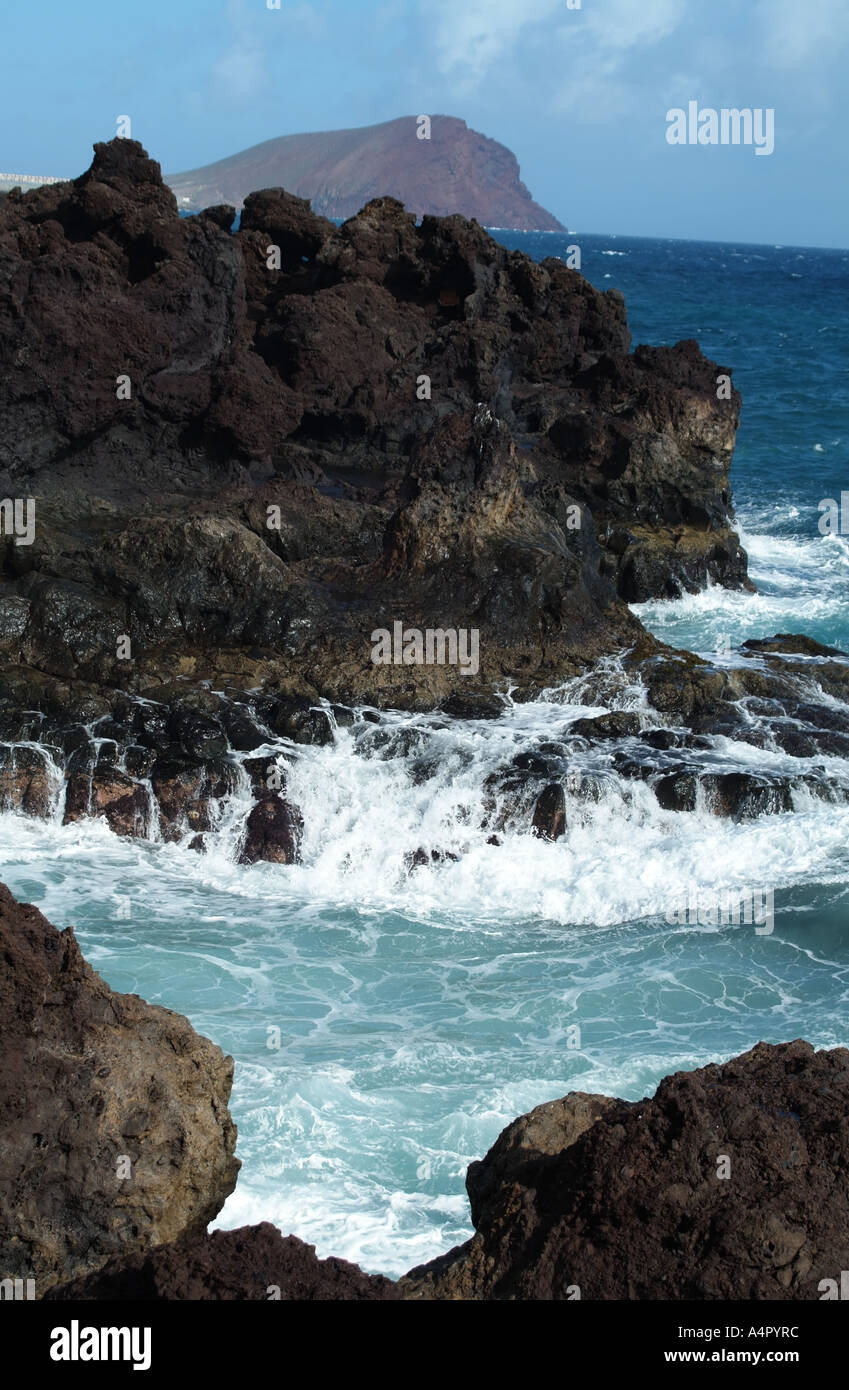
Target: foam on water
802,583
419,1012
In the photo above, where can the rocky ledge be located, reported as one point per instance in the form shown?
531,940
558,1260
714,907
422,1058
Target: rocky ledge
172,767
248,451
254,1263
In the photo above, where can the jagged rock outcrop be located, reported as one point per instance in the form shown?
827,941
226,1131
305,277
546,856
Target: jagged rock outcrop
252,1263
455,170
115,1130
240,471
729,1183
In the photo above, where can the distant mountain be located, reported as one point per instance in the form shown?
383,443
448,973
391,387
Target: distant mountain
456,170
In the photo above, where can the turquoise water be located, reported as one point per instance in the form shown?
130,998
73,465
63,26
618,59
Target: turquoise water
418,1014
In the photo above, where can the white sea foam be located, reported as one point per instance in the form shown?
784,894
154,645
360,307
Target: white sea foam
417,1012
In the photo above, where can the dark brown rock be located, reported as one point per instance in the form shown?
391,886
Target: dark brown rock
546,1130
252,1263
125,804
24,781
273,832
93,1085
297,391
617,724
634,1204
184,787
549,821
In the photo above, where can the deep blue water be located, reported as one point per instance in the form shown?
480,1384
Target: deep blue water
778,317
418,1015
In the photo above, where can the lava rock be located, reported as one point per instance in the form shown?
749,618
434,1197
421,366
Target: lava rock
93,1085
109,793
474,705
726,1184
302,723
253,1263
184,787
284,492
273,832
617,724
549,820
24,781
197,734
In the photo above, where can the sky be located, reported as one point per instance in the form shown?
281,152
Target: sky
580,95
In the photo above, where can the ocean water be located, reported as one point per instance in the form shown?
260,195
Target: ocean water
386,1024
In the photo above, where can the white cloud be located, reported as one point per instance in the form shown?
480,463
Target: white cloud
240,75
797,31
472,34
623,24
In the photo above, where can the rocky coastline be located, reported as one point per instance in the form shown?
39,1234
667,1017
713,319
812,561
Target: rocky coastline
119,1149
246,452
239,473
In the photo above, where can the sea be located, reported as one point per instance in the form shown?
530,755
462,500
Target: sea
386,1025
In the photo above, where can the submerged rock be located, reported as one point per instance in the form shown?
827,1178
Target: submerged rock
116,1132
729,1183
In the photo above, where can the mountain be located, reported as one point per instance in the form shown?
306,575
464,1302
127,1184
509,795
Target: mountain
339,171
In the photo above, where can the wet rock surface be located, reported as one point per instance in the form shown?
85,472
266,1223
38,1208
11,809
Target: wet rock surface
116,1132
273,833
623,1200
170,767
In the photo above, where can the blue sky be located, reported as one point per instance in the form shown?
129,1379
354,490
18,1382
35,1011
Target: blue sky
579,95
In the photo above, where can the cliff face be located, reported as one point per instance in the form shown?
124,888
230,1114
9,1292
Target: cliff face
113,1112
246,469
457,170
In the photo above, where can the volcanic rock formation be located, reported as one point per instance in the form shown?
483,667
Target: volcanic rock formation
254,1263
729,1183
240,471
115,1130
